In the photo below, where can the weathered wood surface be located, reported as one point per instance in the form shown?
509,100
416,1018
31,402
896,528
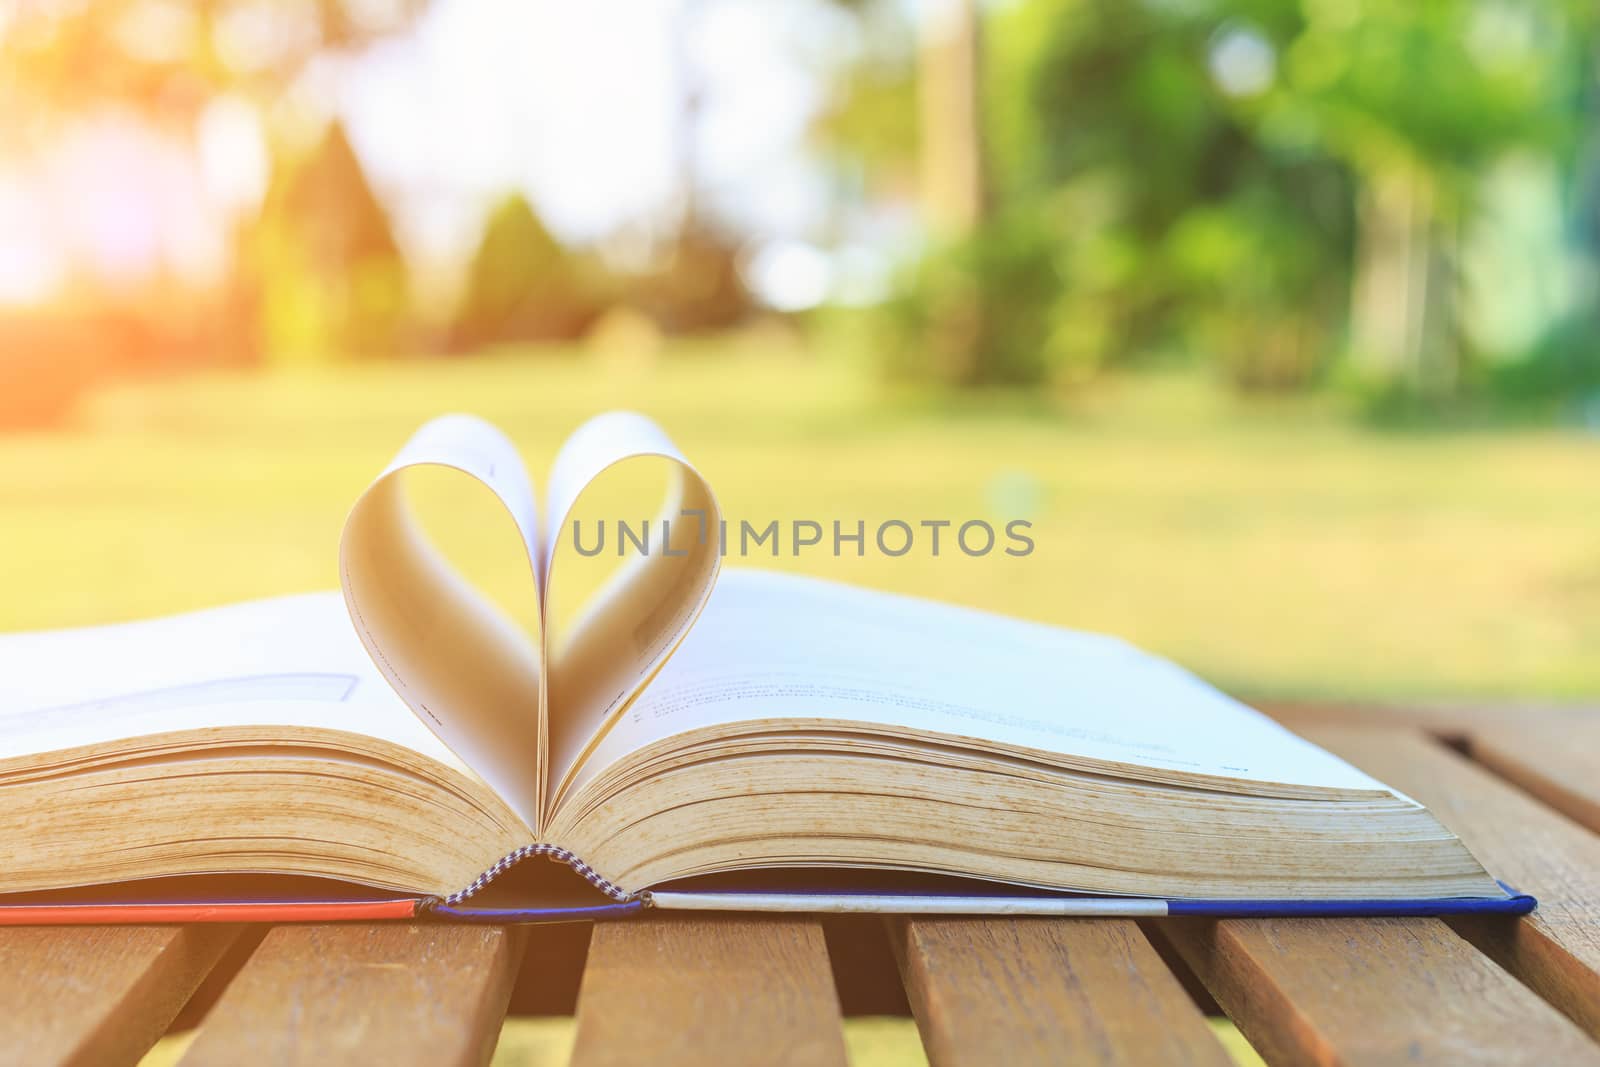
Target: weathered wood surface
1373,991
1043,991
690,990
97,994
390,994
1558,765
1556,950
1525,797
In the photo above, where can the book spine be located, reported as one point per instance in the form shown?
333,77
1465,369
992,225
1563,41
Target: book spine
516,856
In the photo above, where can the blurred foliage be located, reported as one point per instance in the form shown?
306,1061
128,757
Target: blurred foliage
866,126
1217,181
978,312
866,122
326,268
317,273
1182,230
524,285
1562,370
1285,191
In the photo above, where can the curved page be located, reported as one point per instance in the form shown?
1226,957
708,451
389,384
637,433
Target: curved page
627,630
465,669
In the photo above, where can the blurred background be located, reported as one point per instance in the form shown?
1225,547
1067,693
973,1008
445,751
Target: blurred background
1276,318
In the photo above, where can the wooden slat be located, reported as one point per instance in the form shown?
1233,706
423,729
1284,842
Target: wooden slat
1560,766
689,990
1046,991
98,994
222,973
1557,949
390,994
1373,991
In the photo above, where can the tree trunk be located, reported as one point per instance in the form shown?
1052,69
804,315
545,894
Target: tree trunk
949,94
1402,328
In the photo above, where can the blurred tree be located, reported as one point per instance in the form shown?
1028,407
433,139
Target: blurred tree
1419,101
976,308
949,94
162,63
1181,229
867,127
523,285
324,260
979,310
1262,183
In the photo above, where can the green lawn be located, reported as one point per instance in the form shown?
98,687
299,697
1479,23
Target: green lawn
1279,549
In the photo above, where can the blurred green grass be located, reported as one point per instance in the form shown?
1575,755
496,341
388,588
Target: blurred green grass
1278,548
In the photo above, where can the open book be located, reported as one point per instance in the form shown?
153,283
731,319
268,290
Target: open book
695,738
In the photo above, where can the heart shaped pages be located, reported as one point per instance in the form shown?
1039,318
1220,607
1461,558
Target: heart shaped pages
523,713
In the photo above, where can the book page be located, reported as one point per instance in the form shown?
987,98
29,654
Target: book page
775,647
627,629
466,670
288,661
601,442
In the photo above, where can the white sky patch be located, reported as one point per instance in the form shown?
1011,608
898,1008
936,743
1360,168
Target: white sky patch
31,266
1242,61
234,160
580,106
112,200
790,275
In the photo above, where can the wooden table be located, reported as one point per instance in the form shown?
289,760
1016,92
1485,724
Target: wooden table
1522,786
